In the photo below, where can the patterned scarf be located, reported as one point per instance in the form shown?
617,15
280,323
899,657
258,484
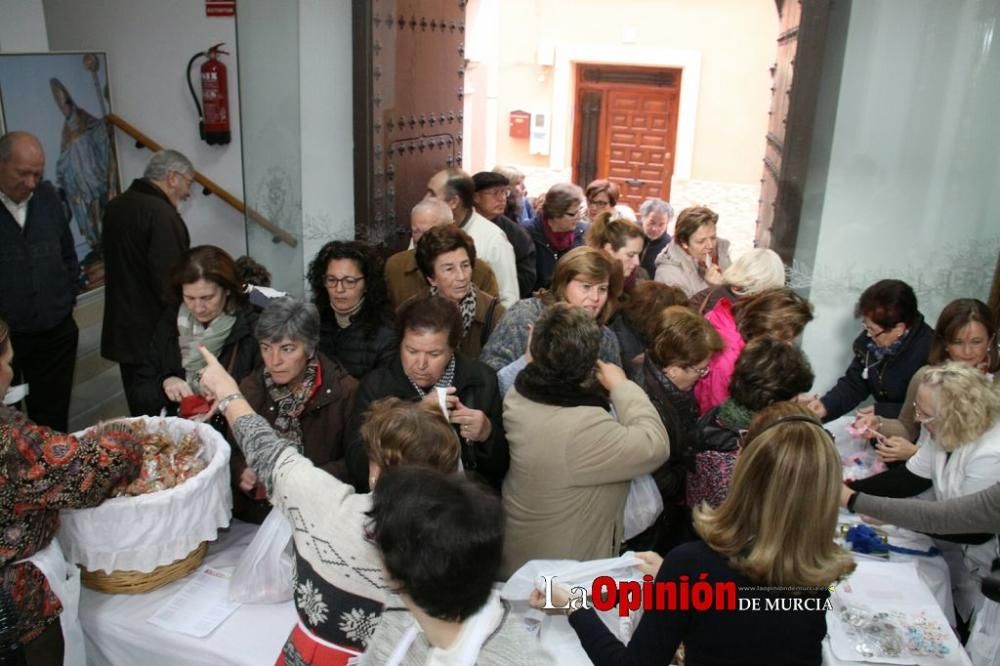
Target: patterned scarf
444,382
190,333
343,317
880,353
467,307
292,402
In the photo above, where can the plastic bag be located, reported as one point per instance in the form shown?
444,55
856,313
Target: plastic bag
643,505
263,574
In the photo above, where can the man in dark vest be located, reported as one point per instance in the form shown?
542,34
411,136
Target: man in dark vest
144,237
39,274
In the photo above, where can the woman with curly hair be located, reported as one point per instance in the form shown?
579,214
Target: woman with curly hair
348,288
958,409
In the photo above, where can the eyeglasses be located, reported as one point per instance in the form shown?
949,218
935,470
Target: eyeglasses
873,334
497,194
347,282
701,372
188,180
575,214
597,203
920,417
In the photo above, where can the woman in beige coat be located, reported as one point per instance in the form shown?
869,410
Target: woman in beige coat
573,452
695,257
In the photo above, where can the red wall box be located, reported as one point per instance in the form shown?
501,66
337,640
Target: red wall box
520,124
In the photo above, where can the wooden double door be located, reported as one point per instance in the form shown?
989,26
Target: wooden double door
626,129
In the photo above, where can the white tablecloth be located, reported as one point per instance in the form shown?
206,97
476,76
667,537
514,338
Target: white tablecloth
117,633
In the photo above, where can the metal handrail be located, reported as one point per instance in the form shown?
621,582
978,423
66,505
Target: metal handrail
211,187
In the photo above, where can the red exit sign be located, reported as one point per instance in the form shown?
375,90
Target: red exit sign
220,7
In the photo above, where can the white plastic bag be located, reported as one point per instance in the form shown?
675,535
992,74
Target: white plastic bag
643,505
264,573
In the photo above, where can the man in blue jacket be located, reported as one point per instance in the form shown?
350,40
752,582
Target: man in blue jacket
38,278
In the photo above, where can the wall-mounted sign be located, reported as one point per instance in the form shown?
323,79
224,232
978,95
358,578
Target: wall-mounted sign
220,7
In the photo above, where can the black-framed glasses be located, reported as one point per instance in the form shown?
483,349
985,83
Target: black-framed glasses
874,335
347,282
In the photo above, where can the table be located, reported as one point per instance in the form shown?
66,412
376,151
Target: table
117,634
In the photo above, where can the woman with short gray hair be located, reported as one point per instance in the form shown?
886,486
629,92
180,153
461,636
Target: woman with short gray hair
305,397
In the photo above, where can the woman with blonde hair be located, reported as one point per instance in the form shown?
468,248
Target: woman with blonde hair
587,278
958,409
772,534
332,582
695,257
965,332
621,239
755,271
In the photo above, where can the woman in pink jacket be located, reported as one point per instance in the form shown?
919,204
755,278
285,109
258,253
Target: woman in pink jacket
777,313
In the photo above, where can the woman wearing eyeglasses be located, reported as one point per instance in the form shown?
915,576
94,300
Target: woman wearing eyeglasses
966,333
556,229
681,343
892,346
348,289
958,409
602,196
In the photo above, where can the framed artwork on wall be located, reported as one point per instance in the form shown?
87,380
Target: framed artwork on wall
64,99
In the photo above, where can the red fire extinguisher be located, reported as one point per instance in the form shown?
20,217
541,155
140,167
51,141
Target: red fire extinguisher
213,121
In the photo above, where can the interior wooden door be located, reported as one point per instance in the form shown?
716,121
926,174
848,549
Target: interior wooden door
626,129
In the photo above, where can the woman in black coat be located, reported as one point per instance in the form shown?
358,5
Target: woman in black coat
348,289
212,311
430,329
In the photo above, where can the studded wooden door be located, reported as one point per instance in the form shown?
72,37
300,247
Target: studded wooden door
795,89
409,64
627,129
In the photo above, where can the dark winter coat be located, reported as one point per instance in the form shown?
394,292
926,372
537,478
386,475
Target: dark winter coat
476,387
324,429
143,239
886,381
359,347
652,249
38,265
545,256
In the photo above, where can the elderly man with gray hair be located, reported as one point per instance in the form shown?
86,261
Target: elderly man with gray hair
143,239
305,396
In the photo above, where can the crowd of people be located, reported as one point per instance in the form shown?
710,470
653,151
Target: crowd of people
557,353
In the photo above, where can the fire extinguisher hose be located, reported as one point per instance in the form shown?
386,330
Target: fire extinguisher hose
197,105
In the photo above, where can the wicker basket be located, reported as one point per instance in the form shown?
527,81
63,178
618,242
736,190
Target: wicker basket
137,582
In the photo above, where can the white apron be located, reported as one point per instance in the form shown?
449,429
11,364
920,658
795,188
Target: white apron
64,580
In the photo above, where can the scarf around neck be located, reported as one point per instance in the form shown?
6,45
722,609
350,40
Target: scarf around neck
560,241
291,403
537,385
190,332
344,317
467,307
880,353
735,416
443,382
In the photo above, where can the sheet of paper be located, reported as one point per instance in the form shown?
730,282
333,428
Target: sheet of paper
199,607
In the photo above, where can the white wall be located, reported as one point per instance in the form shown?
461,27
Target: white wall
148,43
22,26
905,165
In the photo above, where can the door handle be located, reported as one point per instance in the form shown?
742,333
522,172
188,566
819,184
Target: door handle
634,182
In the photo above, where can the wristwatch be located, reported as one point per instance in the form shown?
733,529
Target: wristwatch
225,402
